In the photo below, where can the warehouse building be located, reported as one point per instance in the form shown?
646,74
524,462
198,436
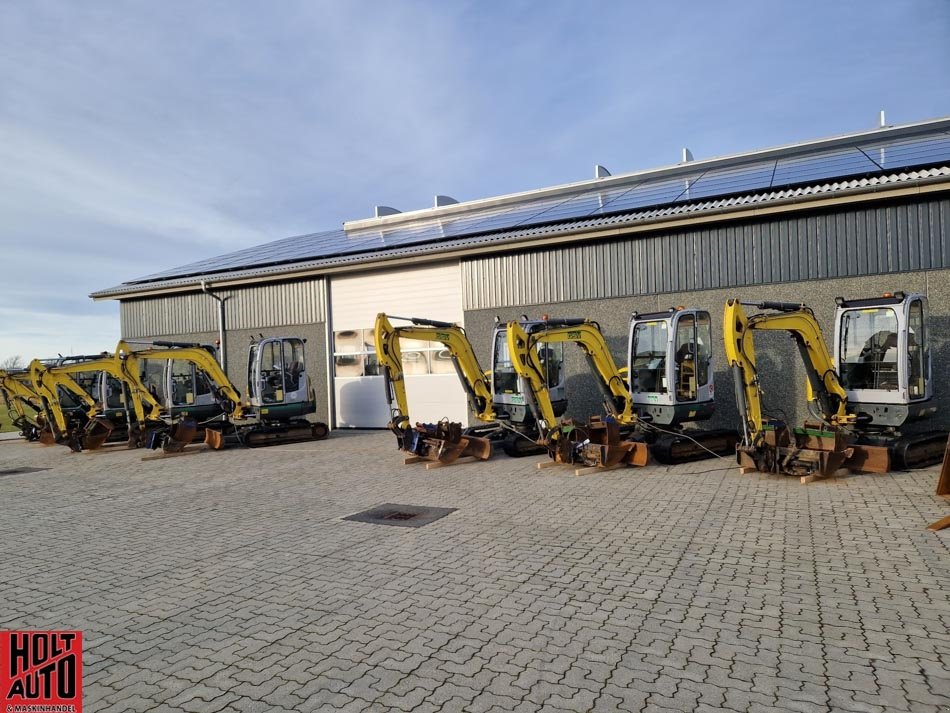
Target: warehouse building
854,215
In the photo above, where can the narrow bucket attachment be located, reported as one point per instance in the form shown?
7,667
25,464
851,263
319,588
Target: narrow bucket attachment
46,436
95,433
214,438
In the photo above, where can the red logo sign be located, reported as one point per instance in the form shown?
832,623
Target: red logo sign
40,672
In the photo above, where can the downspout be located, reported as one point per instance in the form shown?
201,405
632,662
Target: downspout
222,330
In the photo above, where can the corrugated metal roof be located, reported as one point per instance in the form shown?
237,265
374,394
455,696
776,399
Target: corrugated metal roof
636,198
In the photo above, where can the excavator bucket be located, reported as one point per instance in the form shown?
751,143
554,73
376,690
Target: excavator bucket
46,436
95,433
601,446
442,442
183,434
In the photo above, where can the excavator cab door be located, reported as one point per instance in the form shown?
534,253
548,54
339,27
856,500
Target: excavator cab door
277,377
882,353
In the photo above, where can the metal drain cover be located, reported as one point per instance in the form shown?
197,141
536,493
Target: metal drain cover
401,515
18,471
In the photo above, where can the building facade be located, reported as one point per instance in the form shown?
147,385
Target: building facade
852,216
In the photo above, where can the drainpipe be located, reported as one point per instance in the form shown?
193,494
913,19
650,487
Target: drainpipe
222,331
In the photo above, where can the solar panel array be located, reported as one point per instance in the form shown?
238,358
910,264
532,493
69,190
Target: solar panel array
862,159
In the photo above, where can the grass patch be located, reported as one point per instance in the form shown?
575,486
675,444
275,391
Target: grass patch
5,424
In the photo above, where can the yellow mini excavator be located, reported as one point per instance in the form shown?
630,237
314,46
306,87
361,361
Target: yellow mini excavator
845,433
281,394
23,404
68,390
594,444
445,441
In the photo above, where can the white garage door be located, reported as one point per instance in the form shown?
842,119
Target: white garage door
431,382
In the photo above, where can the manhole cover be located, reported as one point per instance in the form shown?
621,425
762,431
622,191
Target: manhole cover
18,471
400,515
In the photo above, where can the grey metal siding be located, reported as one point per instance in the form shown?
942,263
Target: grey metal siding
892,238
269,305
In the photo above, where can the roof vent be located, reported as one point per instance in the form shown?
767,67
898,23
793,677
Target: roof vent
687,155
444,200
882,120
382,210
600,171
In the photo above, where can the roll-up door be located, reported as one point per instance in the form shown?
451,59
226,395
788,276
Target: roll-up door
431,382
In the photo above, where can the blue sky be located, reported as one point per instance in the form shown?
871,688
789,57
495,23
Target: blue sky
136,136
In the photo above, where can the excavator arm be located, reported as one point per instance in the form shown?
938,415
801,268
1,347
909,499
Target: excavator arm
587,335
144,405
823,387
453,338
19,397
46,383
131,359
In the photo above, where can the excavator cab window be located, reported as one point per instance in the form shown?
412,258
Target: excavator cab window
504,376
182,382
153,376
869,346
648,366
293,364
551,357
686,361
917,351
114,391
272,373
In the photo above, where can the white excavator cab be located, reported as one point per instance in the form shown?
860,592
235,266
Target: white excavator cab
278,384
179,386
670,365
509,389
882,354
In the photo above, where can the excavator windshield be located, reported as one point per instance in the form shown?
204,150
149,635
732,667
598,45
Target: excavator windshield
648,365
504,376
869,349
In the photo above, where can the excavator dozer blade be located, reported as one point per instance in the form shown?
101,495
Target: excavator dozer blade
638,455
869,459
477,448
95,433
214,438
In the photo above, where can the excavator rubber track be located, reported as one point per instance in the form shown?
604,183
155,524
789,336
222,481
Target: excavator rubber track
275,434
918,450
693,445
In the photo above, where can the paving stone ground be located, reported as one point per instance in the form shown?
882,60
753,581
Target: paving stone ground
227,581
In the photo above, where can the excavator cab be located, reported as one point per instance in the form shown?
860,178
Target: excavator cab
509,389
278,383
183,389
882,354
670,366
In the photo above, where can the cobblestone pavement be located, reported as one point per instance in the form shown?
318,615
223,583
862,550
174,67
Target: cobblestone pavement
228,582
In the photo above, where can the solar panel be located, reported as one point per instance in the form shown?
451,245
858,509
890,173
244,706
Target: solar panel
860,158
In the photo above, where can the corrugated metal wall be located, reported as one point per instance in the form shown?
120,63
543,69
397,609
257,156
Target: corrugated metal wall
865,241
274,305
